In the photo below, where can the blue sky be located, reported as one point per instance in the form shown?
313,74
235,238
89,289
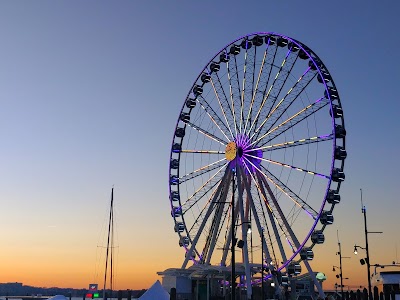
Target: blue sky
90,92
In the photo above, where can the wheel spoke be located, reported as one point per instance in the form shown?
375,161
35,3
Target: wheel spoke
207,209
202,151
257,220
242,93
243,228
290,97
282,216
201,191
234,89
273,221
260,212
255,88
228,239
205,169
301,142
278,83
216,228
222,100
206,133
289,166
292,121
287,191
247,83
214,117
270,58
210,205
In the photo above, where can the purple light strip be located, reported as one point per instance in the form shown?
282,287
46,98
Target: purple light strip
290,243
239,140
247,144
326,135
243,141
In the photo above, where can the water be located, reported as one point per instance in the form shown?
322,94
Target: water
81,298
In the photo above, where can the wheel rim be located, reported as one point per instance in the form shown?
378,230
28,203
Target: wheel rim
262,124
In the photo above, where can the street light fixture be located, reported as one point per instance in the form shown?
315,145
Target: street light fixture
248,228
355,249
333,268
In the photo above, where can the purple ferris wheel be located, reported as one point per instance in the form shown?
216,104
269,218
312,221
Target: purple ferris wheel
257,158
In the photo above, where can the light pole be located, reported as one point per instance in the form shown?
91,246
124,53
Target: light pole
340,263
262,263
233,277
341,272
364,212
338,276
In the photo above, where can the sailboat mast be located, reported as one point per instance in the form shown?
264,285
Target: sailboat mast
108,242
111,250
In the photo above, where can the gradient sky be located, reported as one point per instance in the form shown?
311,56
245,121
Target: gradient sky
90,92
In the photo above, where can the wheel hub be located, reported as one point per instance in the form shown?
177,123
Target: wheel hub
240,151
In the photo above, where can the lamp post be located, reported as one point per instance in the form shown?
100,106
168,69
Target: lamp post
233,271
341,272
262,263
364,212
340,264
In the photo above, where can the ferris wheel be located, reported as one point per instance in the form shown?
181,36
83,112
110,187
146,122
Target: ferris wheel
257,157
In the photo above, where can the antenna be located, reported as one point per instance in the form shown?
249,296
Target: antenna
362,205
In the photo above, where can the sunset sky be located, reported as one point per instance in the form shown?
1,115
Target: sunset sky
90,92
